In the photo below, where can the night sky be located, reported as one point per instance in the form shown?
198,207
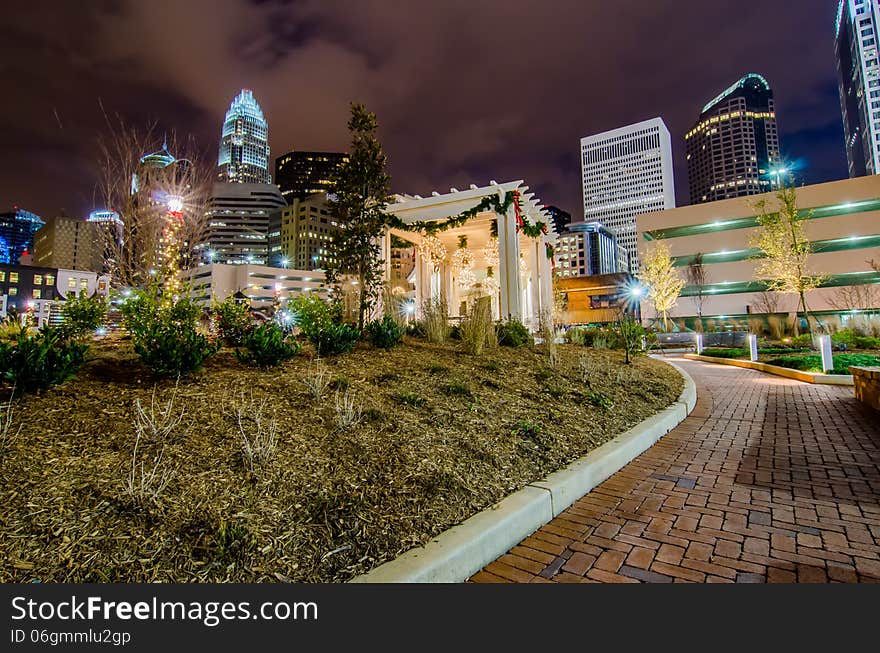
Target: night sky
465,90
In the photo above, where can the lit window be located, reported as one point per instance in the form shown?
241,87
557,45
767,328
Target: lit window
83,284
50,279
2,276
38,279
13,292
13,277
37,293
71,283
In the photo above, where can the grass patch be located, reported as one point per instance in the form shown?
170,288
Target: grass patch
409,399
813,362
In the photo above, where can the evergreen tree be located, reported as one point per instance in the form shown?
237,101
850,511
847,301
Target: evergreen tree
358,199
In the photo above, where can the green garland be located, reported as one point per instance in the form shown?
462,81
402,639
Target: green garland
499,206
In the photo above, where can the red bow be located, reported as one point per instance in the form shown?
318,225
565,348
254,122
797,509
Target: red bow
520,222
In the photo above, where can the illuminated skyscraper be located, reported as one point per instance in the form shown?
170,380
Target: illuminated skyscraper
244,143
858,75
17,229
733,149
627,172
300,174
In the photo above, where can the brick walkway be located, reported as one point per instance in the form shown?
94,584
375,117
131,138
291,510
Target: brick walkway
768,480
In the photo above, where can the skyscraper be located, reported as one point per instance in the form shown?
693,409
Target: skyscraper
858,75
300,174
587,248
69,243
244,143
238,223
626,172
17,229
734,147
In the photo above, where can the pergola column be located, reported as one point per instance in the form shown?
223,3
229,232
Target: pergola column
534,263
545,266
508,272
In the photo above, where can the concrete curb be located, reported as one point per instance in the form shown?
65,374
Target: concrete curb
797,375
463,550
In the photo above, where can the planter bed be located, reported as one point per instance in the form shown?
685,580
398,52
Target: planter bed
443,435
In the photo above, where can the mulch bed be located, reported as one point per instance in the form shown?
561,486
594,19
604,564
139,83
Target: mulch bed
442,436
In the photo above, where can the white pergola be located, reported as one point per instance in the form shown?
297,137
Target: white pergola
524,273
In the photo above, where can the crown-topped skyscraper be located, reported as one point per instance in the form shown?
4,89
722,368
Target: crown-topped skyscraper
244,143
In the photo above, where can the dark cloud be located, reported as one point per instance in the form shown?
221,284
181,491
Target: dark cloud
465,90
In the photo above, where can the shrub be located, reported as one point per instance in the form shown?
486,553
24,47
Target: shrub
233,321
385,333
599,400
82,315
629,334
320,322
803,340
581,336
143,310
476,327
514,334
267,345
335,339
37,361
170,349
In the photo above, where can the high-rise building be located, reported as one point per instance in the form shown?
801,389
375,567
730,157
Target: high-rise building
17,229
733,149
69,243
300,234
626,172
244,143
560,219
300,174
589,248
238,223
858,75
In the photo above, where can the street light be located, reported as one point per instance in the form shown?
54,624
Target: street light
175,204
285,262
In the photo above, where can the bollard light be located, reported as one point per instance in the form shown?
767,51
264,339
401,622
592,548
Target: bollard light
827,356
699,337
753,347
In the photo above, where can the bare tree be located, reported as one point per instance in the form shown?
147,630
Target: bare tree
856,298
144,179
696,277
767,302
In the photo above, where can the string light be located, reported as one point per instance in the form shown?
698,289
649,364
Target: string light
463,265
490,253
432,249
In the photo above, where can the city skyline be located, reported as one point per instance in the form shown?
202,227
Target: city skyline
446,126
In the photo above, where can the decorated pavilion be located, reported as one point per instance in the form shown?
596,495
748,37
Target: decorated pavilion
493,242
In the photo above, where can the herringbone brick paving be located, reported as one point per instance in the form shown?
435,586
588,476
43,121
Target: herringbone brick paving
768,480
